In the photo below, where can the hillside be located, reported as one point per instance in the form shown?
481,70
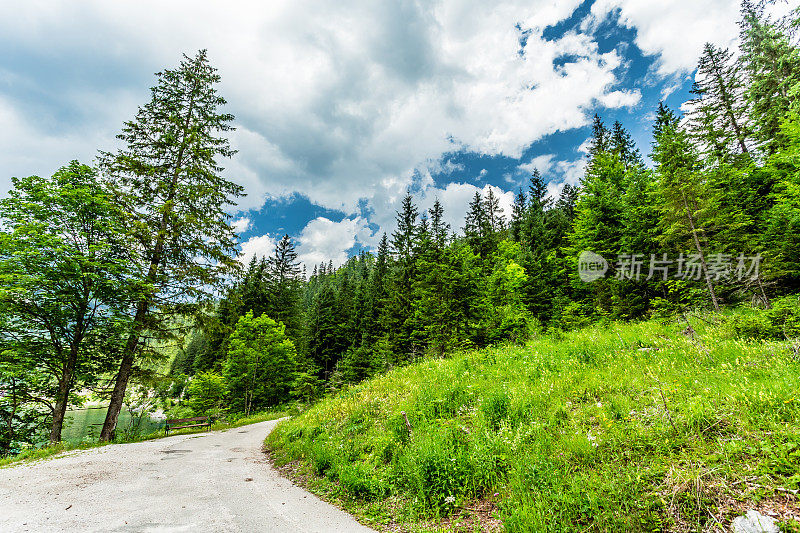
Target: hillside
617,427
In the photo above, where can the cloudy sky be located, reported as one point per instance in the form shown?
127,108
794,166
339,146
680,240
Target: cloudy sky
341,107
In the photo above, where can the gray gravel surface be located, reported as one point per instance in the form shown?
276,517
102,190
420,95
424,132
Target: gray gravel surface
216,482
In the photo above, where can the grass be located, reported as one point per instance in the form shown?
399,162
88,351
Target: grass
618,427
45,452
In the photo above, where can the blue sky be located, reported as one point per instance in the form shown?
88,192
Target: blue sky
342,107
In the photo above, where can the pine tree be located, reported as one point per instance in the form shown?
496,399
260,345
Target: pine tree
405,235
167,177
398,315
772,64
439,228
681,189
518,211
599,140
493,211
284,289
477,228
718,116
621,144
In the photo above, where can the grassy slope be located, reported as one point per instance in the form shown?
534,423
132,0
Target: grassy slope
613,428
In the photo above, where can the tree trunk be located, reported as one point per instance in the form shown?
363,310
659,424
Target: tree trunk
60,410
124,374
702,256
764,297
67,374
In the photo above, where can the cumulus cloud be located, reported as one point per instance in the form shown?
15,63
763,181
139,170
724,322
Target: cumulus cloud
675,31
349,103
323,239
259,246
240,225
333,101
557,173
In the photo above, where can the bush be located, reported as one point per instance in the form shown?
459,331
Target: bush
205,394
780,322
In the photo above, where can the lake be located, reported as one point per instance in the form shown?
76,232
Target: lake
79,423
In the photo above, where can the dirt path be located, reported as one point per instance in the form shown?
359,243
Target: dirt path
186,483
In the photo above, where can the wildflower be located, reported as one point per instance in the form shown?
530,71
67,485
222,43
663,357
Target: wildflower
599,404
450,499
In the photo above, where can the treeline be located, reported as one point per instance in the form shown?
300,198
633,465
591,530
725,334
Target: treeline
715,221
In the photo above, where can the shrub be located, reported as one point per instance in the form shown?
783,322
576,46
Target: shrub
205,394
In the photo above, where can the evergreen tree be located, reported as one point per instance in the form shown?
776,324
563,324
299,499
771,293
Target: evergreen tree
493,212
718,119
621,144
518,211
477,228
772,64
439,228
681,189
167,177
284,291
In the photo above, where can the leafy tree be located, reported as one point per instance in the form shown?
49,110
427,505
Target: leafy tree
509,317
205,394
167,178
21,417
261,364
64,280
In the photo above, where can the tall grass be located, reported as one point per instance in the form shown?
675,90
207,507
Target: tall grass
618,427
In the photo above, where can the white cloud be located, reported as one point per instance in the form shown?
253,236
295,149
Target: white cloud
556,173
674,31
260,246
338,102
542,163
240,225
322,240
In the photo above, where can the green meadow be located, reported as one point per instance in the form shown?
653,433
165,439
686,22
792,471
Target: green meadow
617,427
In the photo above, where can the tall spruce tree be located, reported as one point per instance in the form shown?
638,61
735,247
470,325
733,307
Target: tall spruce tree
681,190
167,178
719,116
772,64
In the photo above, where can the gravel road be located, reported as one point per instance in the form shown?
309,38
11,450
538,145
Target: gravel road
216,482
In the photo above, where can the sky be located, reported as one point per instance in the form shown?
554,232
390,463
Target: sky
343,107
